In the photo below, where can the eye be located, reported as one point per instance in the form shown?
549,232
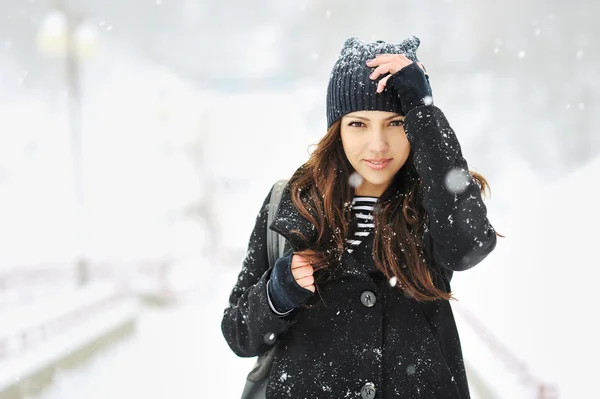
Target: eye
397,122
353,123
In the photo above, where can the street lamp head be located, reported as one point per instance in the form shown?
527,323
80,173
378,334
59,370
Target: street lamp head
57,36
52,35
86,40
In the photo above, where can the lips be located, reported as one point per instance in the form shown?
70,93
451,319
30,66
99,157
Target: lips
378,164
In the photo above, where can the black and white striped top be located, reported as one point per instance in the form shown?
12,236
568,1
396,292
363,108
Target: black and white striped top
362,211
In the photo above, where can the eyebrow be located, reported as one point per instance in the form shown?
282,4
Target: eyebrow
367,119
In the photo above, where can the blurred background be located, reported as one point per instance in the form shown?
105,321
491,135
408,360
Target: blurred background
138,139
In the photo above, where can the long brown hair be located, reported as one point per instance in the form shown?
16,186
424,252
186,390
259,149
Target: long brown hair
322,193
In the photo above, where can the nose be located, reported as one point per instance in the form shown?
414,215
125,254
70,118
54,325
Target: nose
378,144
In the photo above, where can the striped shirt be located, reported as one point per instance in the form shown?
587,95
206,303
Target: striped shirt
362,211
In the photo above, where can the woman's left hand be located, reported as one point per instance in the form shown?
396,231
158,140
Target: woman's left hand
388,63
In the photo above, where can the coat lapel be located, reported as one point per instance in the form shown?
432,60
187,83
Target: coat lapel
350,267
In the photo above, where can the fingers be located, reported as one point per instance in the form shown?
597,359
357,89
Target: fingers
304,277
310,288
307,282
299,261
302,271
391,68
387,63
380,70
381,84
383,57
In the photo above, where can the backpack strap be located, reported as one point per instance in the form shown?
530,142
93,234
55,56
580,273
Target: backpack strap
275,242
257,379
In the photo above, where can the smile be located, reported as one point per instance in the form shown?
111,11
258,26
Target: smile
378,164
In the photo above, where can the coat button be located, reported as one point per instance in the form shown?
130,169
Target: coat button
368,391
270,338
368,299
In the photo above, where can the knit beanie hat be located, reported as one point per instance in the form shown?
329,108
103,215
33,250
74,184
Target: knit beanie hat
350,89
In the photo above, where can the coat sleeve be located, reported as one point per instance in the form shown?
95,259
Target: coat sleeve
458,235
249,325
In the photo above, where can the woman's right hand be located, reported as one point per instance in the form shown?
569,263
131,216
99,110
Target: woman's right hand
303,272
291,283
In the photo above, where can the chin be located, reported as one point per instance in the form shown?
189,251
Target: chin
377,180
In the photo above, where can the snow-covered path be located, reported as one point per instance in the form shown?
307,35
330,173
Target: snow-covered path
175,352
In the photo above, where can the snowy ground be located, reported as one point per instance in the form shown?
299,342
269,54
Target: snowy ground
537,291
174,353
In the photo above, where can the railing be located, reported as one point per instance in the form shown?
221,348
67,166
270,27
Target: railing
29,283
41,322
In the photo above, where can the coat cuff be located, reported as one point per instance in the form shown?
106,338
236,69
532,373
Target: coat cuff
251,327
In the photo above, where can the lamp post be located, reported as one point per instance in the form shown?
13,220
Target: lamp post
71,39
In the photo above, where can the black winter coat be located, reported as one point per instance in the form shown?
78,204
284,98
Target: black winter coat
365,338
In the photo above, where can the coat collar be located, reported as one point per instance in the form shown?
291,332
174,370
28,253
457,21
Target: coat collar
288,218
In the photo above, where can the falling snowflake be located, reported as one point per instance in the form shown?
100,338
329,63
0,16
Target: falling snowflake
355,179
457,180
378,353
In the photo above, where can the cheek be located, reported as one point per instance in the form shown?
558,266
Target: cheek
352,148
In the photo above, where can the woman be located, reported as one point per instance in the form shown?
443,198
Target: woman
378,219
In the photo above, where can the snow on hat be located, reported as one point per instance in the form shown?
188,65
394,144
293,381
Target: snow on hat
350,89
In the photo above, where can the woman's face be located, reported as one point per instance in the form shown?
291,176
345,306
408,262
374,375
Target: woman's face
376,146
